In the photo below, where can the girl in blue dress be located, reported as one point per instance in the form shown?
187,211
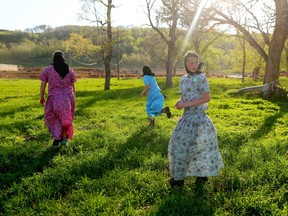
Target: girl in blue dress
155,99
193,147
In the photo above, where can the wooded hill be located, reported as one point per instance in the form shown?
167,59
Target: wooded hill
132,47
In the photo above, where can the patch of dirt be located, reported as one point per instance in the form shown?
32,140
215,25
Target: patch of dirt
33,73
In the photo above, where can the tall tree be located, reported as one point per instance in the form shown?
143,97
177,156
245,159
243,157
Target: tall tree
168,14
286,57
178,15
93,11
277,42
274,28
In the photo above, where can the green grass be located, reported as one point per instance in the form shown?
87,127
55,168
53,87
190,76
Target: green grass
116,165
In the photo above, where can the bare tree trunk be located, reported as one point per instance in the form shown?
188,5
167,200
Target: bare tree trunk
273,63
255,74
286,56
171,44
244,63
90,6
176,66
277,42
107,75
243,45
169,71
108,47
173,8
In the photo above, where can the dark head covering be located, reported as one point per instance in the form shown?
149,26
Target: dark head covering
147,71
59,63
194,55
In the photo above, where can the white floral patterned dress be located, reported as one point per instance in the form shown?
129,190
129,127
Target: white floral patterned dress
193,147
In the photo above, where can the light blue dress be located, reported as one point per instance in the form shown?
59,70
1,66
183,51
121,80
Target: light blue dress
155,99
193,147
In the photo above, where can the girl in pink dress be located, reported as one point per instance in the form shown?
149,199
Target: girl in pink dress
60,105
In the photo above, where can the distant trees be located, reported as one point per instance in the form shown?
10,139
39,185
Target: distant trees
39,29
137,46
81,47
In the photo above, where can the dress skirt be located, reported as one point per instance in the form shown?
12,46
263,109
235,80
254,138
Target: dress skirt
59,115
193,147
154,104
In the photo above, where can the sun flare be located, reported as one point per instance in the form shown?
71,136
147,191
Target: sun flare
193,23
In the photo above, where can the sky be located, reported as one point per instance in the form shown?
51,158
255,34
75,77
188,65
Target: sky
24,14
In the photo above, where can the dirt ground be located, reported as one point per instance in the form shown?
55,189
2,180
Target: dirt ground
27,73
33,73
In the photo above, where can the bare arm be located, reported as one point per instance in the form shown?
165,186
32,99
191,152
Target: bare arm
74,89
204,99
42,92
147,87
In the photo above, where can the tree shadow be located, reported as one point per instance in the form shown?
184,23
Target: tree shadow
21,128
270,121
116,94
11,112
90,98
193,200
16,165
130,154
24,155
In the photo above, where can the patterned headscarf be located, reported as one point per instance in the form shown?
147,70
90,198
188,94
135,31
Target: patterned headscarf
194,55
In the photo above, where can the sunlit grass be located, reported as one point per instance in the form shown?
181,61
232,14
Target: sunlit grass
117,165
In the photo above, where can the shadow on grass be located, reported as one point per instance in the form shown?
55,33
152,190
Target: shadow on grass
23,155
90,98
22,125
16,165
129,155
111,94
270,121
12,112
182,201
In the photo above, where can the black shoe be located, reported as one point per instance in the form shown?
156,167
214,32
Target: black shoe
168,113
55,143
176,183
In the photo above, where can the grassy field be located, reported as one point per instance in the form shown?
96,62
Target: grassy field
117,165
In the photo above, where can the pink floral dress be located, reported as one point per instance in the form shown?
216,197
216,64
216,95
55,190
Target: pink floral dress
60,105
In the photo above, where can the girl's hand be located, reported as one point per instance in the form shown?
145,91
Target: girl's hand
42,101
180,104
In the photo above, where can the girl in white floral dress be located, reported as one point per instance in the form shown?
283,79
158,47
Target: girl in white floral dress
193,147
